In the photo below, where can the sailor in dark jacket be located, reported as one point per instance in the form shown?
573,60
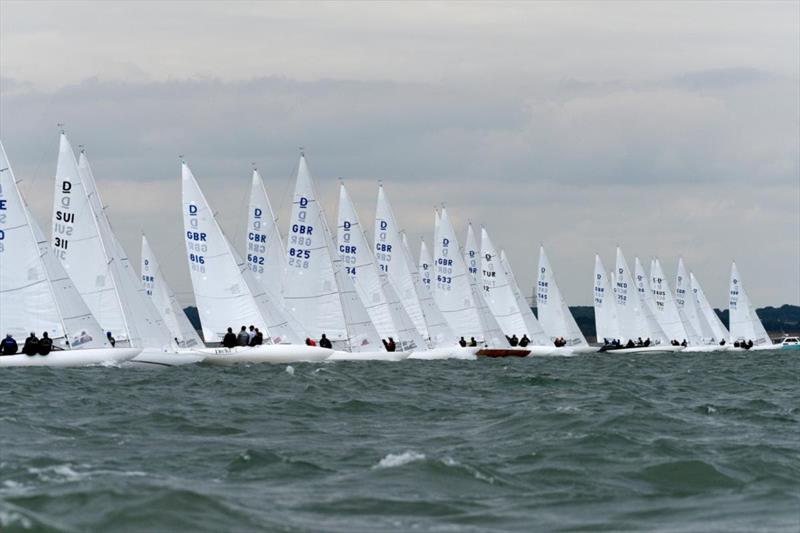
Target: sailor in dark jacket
229,340
31,346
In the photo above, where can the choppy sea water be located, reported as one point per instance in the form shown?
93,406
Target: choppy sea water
670,442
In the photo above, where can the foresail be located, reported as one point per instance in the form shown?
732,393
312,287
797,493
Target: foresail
497,288
669,316
165,301
687,304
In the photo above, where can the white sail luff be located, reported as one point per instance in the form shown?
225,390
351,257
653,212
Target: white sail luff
605,311
717,327
687,304
265,251
669,316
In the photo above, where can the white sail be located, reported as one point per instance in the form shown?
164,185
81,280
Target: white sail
687,304
493,333
145,325
310,289
605,311
318,289
513,318
373,287
426,268
452,285
674,323
744,322
390,254
77,244
82,329
634,316
540,337
438,331
223,285
165,301
265,251
554,314
717,327
27,302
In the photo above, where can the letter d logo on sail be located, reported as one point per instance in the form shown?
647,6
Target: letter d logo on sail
445,242
192,210
257,212
384,225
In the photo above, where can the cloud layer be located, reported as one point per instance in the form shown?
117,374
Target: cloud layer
602,127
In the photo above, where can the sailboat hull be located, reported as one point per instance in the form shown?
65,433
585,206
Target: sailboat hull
711,348
272,353
157,358
646,350
455,352
368,356
71,358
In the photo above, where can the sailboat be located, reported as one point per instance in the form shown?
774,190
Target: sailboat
225,290
372,284
670,317
318,289
634,314
36,294
165,301
605,312
744,322
554,314
687,304
505,301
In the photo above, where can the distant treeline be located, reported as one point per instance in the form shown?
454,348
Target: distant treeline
777,320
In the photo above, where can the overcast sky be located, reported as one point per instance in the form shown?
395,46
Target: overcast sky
668,128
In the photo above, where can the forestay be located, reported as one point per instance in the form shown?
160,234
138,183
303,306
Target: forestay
745,324
165,301
554,314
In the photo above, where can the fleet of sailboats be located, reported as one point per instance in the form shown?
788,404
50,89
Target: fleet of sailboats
370,301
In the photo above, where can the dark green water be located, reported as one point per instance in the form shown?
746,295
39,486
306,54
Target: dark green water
672,442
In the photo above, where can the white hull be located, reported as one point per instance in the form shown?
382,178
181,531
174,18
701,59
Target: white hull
456,352
368,356
647,350
157,358
711,348
71,358
271,353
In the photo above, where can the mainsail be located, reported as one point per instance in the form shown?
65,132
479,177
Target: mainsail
452,288
493,333
265,252
318,289
744,322
165,301
605,311
539,336
554,314
634,315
